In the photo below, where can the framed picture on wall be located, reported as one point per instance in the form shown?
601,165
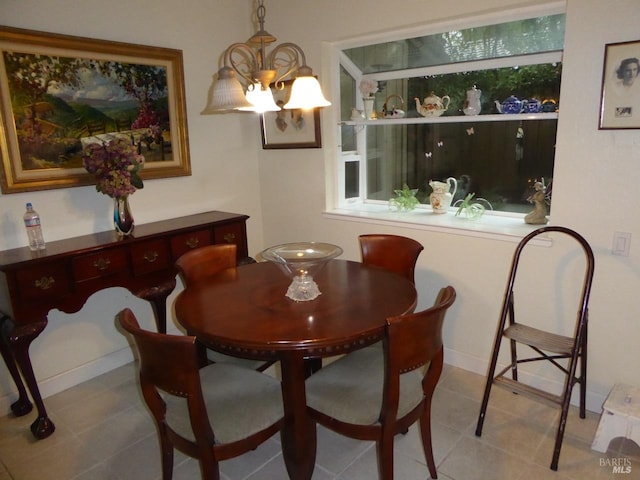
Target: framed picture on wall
290,128
59,93
620,97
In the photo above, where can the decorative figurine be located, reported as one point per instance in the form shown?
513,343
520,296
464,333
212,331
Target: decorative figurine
539,214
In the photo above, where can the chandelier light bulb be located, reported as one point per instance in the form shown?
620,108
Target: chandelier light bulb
227,94
306,94
261,100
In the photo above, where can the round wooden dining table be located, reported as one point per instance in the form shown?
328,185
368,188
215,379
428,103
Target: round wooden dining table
244,312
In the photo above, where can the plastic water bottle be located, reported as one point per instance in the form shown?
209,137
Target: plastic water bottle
34,229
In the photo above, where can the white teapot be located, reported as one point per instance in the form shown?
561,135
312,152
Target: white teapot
433,106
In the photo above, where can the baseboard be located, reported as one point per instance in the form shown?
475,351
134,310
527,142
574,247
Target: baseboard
71,378
58,383
480,366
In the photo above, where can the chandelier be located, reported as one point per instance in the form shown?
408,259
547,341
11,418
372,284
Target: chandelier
258,70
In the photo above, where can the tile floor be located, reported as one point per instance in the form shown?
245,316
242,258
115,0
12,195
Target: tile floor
103,432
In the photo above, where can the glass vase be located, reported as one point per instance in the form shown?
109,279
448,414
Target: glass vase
368,108
122,216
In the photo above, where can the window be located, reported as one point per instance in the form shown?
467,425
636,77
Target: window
497,156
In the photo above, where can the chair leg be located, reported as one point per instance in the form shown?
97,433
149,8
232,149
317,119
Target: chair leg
385,455
166,452
210,468
425,434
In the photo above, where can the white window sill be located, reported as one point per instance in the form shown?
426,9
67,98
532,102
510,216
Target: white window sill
492,226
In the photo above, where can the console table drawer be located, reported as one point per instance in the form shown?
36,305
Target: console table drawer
102,264
152,256
45,281
232,233
188,241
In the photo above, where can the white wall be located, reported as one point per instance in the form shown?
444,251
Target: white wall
224,151
595,187
284,190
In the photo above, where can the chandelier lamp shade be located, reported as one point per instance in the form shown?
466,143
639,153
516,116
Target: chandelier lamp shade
244,82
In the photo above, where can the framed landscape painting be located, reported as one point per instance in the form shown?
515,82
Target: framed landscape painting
59,93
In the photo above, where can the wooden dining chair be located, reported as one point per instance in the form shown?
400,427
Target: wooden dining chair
380,394
392,252
201,263
206,261
215,413
563,352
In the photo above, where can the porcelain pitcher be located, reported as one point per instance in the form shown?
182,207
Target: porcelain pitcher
472,105
441,197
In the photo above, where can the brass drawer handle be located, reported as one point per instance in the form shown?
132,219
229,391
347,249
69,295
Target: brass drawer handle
102,264
230,238
151,256
45,283
192,242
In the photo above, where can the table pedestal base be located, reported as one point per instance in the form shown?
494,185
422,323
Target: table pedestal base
299,432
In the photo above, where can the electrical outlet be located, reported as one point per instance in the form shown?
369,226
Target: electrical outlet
621,243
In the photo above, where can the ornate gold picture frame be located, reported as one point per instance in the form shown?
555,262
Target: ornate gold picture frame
59,92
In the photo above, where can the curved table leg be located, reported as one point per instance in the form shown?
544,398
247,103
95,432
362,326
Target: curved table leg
19,339
299,432
23,405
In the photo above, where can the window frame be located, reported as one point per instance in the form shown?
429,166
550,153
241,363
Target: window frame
369,210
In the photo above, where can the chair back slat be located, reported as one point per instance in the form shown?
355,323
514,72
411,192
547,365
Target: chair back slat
168,362
391,252
415,339
206,261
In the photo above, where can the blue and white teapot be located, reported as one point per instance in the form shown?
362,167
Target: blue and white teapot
532,106
510,105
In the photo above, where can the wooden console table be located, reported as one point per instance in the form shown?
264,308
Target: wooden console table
65,274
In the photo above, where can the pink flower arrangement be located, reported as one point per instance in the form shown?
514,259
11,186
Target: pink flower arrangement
368,87
116,165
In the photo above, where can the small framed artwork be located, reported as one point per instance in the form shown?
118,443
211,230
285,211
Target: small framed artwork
59,93
290,128
620,98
